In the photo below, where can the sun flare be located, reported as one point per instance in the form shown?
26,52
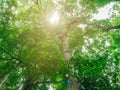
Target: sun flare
54,19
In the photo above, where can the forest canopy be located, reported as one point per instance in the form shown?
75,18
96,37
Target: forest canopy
47,44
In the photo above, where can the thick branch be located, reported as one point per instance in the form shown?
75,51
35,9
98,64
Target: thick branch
113,27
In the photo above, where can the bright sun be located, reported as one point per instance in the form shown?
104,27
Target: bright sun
54,19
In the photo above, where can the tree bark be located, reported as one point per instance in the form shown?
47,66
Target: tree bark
27,83
65,48
73,85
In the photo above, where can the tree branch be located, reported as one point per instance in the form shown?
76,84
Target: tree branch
113,27
12,57
1,58
106,28
69,25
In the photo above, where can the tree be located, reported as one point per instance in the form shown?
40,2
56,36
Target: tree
36,51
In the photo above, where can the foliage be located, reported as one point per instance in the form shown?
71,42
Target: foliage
31,51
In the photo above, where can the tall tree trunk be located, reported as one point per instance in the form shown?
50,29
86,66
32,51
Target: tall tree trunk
4,82
73,85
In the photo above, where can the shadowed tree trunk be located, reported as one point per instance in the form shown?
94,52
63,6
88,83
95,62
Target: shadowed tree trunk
26,84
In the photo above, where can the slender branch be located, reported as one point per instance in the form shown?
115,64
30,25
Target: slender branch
12,57
1,58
